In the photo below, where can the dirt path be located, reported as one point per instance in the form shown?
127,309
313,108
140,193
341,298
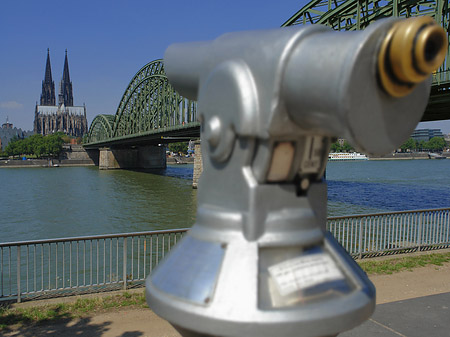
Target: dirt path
420,282
429,280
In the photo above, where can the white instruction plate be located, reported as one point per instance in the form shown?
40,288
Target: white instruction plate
304,272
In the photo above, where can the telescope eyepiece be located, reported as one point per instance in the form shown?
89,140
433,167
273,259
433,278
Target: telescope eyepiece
412,50
430,48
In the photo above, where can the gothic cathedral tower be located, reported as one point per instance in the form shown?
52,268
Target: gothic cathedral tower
48,86
64,117
65,87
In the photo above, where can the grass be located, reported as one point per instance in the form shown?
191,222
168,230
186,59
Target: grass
81,307
395,265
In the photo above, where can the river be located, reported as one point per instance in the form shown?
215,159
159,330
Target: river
40,203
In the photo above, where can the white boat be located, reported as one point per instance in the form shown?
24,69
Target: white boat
435,156
346,156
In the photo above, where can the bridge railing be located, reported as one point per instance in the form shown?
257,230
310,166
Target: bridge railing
61,267
441,77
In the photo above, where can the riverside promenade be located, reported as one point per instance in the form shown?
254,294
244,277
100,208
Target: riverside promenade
409,303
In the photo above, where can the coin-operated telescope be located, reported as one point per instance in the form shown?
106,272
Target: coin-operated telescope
258,261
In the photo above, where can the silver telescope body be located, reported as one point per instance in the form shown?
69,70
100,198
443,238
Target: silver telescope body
259,261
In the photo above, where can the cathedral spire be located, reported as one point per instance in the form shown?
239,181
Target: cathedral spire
65,88
66,76
48,69
48,86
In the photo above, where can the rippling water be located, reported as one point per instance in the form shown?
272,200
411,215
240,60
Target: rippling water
40,203
375,186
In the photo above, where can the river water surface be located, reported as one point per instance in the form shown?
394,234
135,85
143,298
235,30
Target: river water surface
40,203
388,185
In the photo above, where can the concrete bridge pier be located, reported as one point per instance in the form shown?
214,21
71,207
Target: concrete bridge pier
198,164
138,157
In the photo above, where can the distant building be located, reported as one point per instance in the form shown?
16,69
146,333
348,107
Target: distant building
7,125
8,132
426,134
341,141
64,117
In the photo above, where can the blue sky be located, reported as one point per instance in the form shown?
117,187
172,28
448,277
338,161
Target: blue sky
108,42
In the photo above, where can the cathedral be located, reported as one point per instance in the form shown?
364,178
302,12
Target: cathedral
64,117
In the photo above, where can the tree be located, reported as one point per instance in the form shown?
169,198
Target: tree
436,144
420,145
14,147
54,144
66,138
335,147
410,144
346,147
37,145
180,147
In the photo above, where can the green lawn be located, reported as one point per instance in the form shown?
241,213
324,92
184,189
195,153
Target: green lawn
393,265
81,307
10,316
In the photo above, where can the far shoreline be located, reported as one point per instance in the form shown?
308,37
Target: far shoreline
40,163
44,163
407,156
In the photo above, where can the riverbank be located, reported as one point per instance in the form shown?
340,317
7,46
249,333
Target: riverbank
180,160
76,156
97,318
72,155
17,163
406,156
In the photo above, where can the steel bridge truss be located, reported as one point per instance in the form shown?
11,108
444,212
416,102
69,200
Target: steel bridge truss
358,14
149,105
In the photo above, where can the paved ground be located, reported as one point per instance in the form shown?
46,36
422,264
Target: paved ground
408,304
422,316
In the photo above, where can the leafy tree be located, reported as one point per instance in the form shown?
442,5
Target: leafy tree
335,147
420,145
39,148
53,144
410,144
436,144
37,145
13,147
66,138
346,147
180,147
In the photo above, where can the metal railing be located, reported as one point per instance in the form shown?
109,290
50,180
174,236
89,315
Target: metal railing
389,233
60,267
441,77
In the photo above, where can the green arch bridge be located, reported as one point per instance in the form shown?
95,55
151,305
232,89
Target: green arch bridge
151,112
150,109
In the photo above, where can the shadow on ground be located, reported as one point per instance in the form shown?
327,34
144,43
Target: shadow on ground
61,324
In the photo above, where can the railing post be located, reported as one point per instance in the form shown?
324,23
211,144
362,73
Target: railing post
420,231
360,238
124,263
18,275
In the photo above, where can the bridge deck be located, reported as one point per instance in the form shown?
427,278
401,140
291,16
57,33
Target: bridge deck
170,134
